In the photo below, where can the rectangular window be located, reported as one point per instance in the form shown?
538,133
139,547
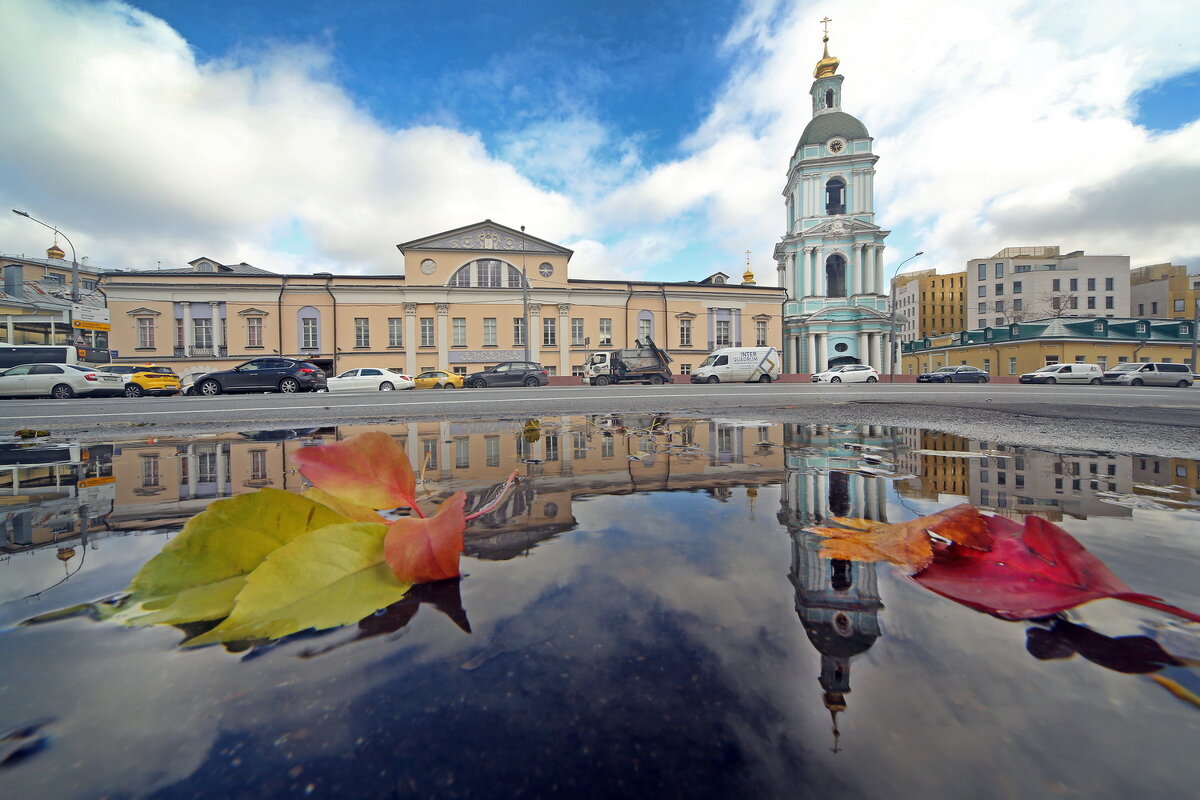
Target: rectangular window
549,332
685,333
1012,366
983,272
145,332
150,476
983,308
489,331
1178,305
1091,284
458,332
578,446
308,334
760,330
462,452
982,291
1016,287
203,333
1153,308
491,449
722,333
1091,301
685,369
429,455
645,329
607,447
1018,305
1056,285
551,442
605,332
258,465
1108,284
1108,301
999,305
1102,361
362,332
395,332
427,337
1051,360
488,273
254,332
1079,359
999,289
518,331
577,331
999,270
1141,310
1074,284
1074,301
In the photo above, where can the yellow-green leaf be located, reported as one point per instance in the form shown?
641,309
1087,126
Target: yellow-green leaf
325,578
198,574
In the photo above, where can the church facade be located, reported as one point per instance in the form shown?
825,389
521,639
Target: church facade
831,259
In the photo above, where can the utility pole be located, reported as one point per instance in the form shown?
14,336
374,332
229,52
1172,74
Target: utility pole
525,292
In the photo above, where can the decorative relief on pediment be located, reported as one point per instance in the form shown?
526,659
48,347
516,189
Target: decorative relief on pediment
486,238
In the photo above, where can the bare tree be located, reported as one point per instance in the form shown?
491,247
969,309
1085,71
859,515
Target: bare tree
1061,304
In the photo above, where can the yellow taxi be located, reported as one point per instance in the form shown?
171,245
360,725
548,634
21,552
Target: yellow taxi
438,379
141,379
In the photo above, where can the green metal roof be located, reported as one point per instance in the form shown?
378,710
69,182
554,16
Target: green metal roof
824,127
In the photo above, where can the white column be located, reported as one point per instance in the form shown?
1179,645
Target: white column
870,189
222,470
534,334
789,273
881,348
413,446
564,338
819,271
189,333
864,351
217,327
878,277
822,351
443,336
881,501
191,476
810,344
445,454
410,339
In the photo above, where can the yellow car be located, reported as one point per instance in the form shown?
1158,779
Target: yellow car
143,379
438,379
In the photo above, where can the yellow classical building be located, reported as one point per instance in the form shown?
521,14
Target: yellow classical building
467,298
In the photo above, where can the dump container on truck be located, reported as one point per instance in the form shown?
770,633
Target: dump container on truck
644,363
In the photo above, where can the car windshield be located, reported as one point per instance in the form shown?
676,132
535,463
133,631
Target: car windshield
945,369
81,369
1048,368
1125,367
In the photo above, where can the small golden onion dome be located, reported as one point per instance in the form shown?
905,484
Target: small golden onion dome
748,278
56,252
827,66
66,554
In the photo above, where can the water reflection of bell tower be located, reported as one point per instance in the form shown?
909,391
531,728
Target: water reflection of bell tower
838,603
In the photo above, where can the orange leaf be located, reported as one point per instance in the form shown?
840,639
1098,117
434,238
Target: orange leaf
422,550
906,544
370,469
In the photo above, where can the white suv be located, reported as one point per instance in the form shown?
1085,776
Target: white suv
1065,373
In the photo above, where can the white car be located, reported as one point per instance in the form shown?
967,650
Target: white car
847,373
370,379
59,381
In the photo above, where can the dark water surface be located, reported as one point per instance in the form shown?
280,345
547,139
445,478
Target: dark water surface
644,616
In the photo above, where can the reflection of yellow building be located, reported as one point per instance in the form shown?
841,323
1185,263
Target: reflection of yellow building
936,472
1017,481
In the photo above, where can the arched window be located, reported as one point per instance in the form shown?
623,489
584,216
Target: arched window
462,277
487,272
829,98
645,325
514,277
835,276
835,196
308,328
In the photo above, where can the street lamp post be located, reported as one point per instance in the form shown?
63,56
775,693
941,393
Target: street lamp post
74,261
525,293
892,303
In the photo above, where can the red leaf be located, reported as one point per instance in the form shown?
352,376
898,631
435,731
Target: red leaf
1031,571
423,550
369,469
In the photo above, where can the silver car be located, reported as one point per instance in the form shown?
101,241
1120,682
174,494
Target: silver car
59,381
1150,373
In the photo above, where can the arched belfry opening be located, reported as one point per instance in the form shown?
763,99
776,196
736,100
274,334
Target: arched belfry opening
835,196
829,98
835,276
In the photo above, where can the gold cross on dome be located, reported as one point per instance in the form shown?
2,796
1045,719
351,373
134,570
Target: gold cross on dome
747,258
826,22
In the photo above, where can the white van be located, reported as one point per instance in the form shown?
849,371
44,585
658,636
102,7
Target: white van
740,365
1065,373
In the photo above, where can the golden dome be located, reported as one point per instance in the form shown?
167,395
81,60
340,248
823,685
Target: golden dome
56,252
827,66
747,277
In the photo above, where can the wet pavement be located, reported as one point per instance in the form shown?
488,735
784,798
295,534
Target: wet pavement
644,614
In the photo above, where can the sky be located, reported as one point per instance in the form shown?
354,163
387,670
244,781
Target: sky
651,138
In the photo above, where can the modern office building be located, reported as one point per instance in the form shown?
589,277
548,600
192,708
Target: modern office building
928,303
831,257
1164,290
1031,283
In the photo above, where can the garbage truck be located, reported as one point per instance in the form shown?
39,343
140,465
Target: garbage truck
644,363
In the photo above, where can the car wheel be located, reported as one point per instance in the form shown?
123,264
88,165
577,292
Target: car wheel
1096,382
983,379
602,380
1051,380
478,383
1183,384
835,379
289,386
656,380
531,381
447,385
386,387
871,379
209,388
133,390
713,379
62,392
1137,382
764,378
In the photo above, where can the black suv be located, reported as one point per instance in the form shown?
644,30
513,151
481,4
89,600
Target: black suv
264,375
509,373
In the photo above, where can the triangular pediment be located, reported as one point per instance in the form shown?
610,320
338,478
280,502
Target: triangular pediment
840,226
144,312
485,236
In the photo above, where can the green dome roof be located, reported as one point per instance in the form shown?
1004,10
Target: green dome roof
824,127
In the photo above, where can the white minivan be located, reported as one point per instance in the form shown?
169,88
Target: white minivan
740,365
1065,373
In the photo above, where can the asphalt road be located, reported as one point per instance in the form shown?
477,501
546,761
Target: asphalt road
1143,420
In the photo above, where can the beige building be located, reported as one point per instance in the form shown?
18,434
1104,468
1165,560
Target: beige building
37,305
461,304
928,303
1028,283
1164,290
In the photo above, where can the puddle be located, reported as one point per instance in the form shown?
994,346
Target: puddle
643,615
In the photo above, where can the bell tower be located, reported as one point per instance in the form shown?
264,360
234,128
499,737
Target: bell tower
831,257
